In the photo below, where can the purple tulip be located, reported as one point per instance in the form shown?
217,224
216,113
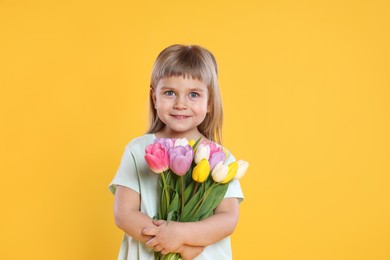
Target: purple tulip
181,159
167,142
215,158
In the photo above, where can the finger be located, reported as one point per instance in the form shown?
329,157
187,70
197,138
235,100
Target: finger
148,244
151,243
150,231
164,251
157,248
159,222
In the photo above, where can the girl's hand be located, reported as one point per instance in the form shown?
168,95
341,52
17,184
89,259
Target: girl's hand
167,236
190,252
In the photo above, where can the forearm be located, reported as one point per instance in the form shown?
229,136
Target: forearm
170,236
213,228
127,215
133,223
208,231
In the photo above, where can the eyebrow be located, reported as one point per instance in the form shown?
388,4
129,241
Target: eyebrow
191,90
197,89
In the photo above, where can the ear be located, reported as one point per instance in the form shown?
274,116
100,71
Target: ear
208,107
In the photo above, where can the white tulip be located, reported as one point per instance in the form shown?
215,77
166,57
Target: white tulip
202,152
181,142
219,172
242,168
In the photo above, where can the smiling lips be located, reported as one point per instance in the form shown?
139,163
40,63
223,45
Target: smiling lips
180,116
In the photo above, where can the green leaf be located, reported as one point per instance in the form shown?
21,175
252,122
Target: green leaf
209,181
188,191
169,216
175,204
190,208
214,199
188,176
163,201
196,143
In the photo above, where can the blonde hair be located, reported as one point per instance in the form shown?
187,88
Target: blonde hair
196,62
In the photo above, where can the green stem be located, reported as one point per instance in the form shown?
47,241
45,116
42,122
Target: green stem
205,196
182,195
195,210
195,189
166,189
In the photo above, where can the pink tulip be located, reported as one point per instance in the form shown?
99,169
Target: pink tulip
157,157
214,148
181,159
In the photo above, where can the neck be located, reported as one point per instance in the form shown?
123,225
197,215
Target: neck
165,133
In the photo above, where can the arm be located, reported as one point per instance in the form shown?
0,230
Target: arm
128,216
132,221
214,228
200,233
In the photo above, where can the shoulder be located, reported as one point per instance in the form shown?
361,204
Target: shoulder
139,144
230,157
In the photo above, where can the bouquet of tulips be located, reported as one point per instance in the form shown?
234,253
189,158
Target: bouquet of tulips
194,179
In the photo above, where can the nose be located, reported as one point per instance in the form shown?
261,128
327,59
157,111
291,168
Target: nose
180,103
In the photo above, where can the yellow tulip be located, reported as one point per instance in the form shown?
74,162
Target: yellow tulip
226,152
233,167
191,142
201,171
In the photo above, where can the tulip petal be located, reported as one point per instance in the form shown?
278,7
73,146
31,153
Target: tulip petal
242,168
216,158
154,163
201,171
202,152
157,157
180,165
219,172
181,142
233,167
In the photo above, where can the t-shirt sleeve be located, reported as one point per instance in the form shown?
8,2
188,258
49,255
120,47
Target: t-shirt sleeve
234,190
126,174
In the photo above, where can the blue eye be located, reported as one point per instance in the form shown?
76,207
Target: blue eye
194,95
169,93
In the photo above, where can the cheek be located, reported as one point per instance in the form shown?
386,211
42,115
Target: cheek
159,104
205,106
162,108
159,108
202,110
161,114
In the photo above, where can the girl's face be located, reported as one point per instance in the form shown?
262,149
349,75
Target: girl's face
182,105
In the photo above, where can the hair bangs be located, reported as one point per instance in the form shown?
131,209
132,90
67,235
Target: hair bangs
185,62
185,71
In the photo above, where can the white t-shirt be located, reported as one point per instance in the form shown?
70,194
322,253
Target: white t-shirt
135,174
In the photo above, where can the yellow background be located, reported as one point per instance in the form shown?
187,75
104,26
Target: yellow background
305,86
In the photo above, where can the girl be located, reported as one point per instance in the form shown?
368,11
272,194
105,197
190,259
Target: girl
184,103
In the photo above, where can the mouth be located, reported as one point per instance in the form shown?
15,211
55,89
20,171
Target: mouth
180,116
